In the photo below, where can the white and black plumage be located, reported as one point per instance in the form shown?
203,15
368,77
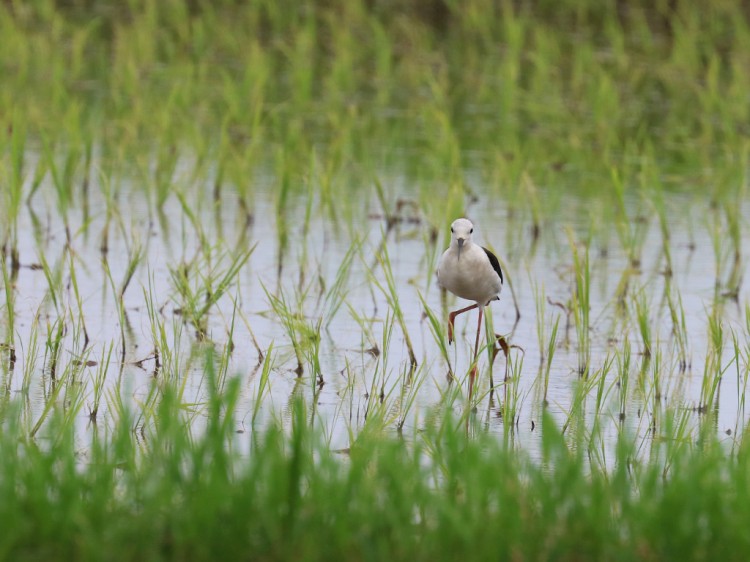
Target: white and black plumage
471,272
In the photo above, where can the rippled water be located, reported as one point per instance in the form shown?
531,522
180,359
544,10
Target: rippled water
305,272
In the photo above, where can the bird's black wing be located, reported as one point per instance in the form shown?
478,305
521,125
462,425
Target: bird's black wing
495,264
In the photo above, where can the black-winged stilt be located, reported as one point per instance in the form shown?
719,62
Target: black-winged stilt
471,272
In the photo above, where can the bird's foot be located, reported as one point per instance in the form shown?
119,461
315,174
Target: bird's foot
450,331
503,343
504,346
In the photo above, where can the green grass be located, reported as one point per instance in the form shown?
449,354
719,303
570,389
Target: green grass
273,494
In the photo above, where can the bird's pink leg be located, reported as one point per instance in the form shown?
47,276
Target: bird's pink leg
479,329
452,319
473,373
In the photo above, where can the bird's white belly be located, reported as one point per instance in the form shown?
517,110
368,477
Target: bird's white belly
472,277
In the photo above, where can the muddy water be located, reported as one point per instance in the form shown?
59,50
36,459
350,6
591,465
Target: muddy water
304,270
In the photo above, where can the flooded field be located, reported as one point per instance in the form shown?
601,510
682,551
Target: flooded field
329,311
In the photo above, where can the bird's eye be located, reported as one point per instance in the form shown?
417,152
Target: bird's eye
471,231
451,230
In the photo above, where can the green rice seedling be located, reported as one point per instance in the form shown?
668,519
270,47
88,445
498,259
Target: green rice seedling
346,405
222,369
378,414
623,379
74,396
112,210
282,228
733,218
301,334
540,305
170,384
98,380
391,294
335,295
712,370
531,193
164,167
390,213
675,434
622,292
49,403
657,201
119,413
509,281
380,372
201,283
644,387
80,317
583,389
312,352
657,382
632,233
743,375
679,326
40,171
602,388
121,312
10,312
63,177
54,281
322,184
264,385
549,356
597,447
55,333
88,156
245,321
365,328
718,239
580,305
330,423
743,371
451,400
30,355
196,223
162,350
14,193
595,439
66,392
747,319
511,393
136,253
411,382
169,365
438,333
499,343
643,321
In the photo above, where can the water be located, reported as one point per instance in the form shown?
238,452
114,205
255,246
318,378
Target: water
304,271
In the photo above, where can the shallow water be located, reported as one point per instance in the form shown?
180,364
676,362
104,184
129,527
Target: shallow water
353,376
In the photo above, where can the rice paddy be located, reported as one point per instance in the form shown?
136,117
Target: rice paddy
221,332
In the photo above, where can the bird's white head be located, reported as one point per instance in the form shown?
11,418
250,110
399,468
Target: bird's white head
461,231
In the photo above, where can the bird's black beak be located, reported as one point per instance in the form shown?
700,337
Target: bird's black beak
460,245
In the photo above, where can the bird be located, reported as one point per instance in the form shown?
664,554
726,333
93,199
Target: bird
471,272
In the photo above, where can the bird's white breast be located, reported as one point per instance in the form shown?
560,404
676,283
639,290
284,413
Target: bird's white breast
472,277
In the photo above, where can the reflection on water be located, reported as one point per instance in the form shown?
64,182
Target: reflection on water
339,323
